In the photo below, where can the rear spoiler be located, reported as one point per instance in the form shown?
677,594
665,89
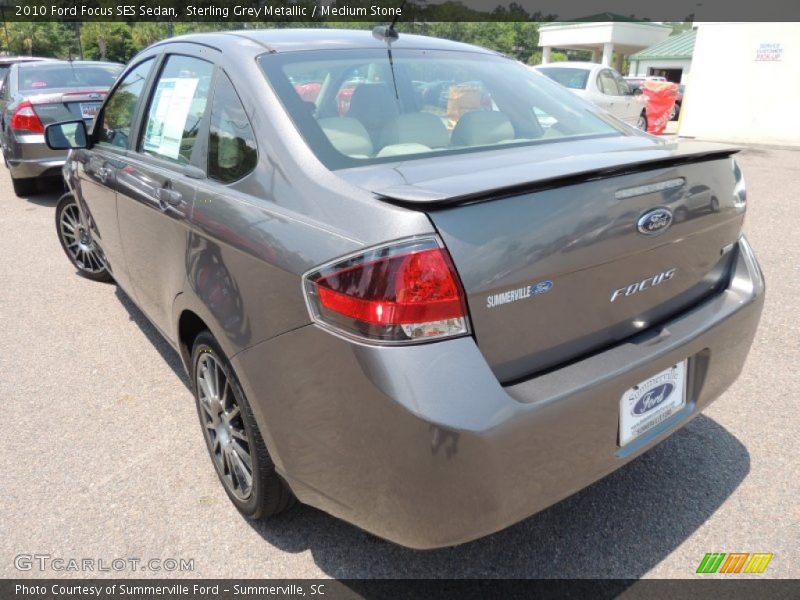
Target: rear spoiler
431,198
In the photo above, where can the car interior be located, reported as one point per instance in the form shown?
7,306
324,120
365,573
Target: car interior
380,109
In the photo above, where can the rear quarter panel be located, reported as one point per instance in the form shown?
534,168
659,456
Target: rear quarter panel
251,241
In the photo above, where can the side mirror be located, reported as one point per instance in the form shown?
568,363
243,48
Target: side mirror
66,136
637,91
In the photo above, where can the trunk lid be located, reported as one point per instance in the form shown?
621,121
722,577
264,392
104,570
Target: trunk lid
68,105
551,251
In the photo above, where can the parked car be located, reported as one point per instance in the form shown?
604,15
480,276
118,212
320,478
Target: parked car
601,86
429,332
7,61
635,81
676,110
41,92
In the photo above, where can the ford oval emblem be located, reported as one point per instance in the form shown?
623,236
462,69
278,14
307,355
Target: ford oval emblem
541,288
653,398
655,221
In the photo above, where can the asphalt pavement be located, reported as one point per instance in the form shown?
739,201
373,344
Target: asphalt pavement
102,455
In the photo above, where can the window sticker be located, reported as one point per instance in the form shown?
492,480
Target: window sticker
168,114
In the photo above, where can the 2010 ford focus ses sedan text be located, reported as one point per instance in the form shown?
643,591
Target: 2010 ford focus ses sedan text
415,284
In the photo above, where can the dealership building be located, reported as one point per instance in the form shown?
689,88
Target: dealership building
742,79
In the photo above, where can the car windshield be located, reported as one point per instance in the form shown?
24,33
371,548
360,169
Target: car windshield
356,107
574,79
44,77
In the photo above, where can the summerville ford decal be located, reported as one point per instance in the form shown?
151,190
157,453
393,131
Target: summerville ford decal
536,289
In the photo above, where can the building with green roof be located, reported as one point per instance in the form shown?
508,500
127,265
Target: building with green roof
671,58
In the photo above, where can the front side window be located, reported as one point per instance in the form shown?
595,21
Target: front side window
606,83
622,85
177,108
114,124
232,150
356,107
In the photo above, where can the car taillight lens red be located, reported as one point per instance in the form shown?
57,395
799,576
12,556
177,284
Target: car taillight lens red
24,118
400,293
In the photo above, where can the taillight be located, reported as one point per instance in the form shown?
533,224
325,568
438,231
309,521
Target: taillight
739,190
403,292
24,118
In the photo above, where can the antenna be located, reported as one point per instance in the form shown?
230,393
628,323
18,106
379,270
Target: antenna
397,15
388,33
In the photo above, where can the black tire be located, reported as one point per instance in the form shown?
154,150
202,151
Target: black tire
87,258
268,494
642,122
24,186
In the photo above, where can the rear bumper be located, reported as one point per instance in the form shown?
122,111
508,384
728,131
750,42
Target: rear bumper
421,445
29,156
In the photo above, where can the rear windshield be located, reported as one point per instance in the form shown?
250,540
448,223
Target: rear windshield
574,79
43,77
358,107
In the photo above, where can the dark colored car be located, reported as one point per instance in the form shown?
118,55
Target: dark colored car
676,110
431,319
7,61
35,93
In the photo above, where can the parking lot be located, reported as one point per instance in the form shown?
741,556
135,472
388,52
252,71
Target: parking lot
103,458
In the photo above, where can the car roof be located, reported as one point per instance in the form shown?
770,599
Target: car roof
10,60
77,63
298,40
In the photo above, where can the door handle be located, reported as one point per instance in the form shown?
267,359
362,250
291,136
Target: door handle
167,197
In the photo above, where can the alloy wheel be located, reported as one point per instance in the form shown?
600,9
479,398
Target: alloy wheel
641,123
224,427
78,241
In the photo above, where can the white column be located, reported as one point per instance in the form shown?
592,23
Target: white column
595,55
608,51
545,54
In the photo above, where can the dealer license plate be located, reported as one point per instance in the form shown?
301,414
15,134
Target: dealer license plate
89,109
652,402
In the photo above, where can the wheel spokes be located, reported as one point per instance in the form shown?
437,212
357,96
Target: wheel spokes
223,426
78,242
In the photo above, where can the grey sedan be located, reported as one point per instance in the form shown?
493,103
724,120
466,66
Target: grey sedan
429,318
35,93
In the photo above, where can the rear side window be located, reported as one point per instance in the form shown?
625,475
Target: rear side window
232,150
42,76
114,126
177,108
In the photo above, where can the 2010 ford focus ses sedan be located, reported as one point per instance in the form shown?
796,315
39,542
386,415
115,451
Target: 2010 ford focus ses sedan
415,284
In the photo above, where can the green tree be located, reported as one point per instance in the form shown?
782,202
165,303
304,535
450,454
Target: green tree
144,33
555,56
27,38
107,41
